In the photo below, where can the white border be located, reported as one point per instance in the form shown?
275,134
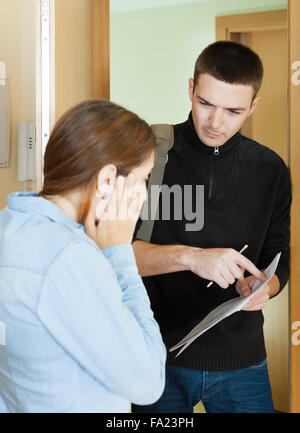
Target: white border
45,71
45,81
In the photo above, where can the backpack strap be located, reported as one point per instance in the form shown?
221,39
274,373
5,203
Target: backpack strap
165,138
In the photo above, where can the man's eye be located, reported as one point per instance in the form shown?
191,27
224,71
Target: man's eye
234,112
204,103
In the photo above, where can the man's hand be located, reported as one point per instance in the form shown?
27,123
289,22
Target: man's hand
260,300
221,265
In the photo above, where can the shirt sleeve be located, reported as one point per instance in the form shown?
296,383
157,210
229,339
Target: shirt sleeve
278,235
95,305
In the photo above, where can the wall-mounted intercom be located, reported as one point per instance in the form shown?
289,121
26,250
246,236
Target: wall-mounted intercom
4,117
26,151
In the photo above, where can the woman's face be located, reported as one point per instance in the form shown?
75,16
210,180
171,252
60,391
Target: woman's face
106,183
142,171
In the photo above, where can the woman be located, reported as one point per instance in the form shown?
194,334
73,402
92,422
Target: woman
80,334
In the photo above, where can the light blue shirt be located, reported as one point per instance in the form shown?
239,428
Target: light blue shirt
79,332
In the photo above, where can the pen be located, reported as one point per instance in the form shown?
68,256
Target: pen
242,250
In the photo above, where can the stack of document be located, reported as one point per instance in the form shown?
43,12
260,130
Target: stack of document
226,309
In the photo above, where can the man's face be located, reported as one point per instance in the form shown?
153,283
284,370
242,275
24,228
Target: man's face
219,109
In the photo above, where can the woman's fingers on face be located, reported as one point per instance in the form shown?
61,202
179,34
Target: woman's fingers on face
135,199
120,185
140,196
127,198
131,180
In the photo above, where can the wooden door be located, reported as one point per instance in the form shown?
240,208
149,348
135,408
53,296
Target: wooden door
18,52
294,134
81,52
78,60
266,34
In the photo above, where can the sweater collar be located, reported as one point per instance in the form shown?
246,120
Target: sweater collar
196,142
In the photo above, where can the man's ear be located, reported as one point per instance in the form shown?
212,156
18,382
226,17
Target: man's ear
255,103
191,88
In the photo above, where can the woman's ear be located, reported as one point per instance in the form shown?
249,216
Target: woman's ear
106,180
104,188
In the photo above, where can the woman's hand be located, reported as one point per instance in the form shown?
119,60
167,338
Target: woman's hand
117,222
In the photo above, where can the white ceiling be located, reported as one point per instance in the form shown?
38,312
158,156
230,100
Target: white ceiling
117,6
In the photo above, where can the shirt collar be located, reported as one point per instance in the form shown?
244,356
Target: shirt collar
29,202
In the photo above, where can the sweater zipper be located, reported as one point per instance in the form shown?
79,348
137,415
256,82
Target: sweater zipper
216,153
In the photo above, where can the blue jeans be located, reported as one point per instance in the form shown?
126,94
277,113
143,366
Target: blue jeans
238,391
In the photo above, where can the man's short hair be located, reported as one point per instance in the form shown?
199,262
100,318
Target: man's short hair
232,63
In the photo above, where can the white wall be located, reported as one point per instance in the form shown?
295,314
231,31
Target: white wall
153,53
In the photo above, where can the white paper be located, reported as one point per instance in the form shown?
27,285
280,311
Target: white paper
226,309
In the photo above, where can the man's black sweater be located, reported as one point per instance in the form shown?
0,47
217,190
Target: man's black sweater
247,201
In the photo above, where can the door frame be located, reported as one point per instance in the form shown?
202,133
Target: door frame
45,68
233,28
101,49
294,134
228,26
45,81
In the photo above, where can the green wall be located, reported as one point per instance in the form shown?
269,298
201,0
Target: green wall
153,53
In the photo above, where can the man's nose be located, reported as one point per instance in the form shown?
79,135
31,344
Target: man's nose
216,119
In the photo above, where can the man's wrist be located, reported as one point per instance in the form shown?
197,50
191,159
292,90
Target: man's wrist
274,286
185,257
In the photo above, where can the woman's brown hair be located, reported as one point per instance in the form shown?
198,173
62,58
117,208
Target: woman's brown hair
85,139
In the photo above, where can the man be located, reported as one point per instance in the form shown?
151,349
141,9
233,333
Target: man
246,201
